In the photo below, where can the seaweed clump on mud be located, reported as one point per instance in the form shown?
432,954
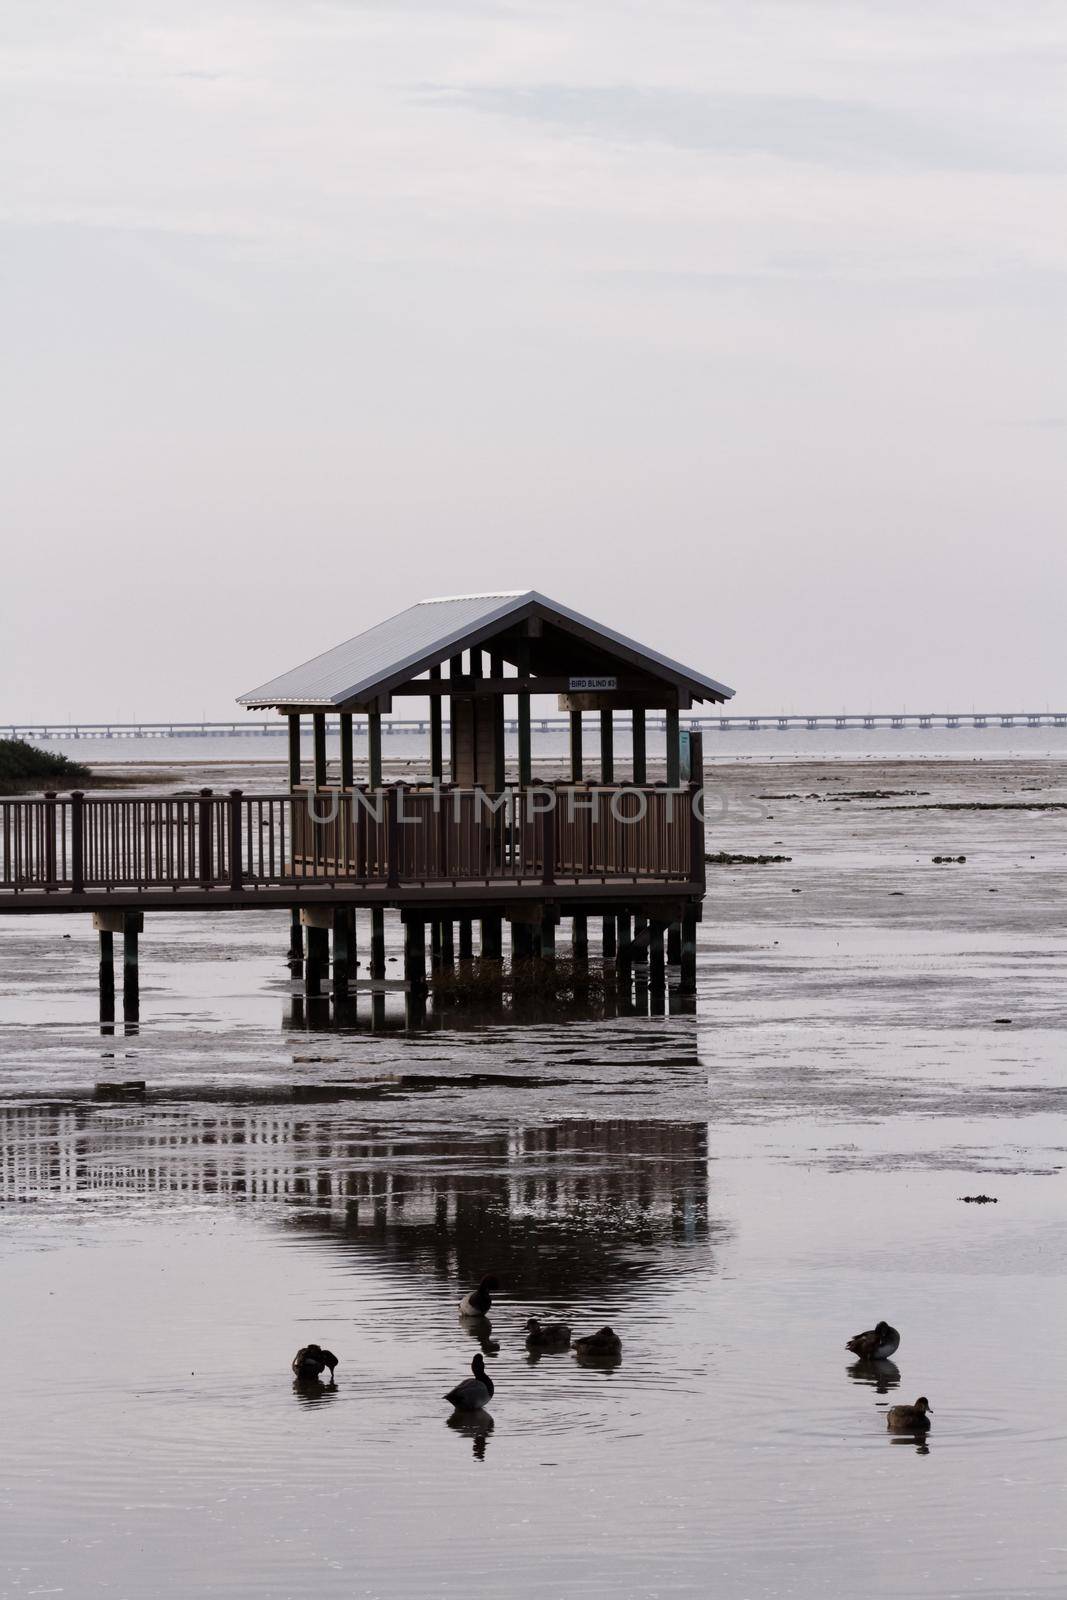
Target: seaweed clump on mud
24,768
729,858
554,984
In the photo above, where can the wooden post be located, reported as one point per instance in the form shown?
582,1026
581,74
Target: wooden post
435,944
580,936
548,846
374,748
107,979
294,750
377,942
521,941
296,944
466,938
492,936
657,976
625,956
318,723
639,746
548,934
206,812
132,922
448,948
698,866
607,747
392,835
674,944
347,764
496,670
674,754
576,747
437,767
415,953
77,842
235,816
342,952
525,745
607,775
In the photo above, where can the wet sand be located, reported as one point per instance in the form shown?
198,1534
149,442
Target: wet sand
736,1191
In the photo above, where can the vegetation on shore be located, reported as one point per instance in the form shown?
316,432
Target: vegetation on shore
24,769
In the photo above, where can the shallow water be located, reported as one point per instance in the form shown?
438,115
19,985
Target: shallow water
736,1191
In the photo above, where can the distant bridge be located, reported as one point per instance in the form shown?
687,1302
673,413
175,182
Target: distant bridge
276,727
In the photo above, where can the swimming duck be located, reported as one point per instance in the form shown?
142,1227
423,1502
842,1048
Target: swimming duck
876,1344
909,1419
604,1345
477,1303
473,1393
311,1361
547,1335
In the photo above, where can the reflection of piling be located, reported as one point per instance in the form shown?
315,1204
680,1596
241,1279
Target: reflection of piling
687,975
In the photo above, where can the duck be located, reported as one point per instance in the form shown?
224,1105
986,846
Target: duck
477,1303
604,1345
877,1344
473,1393
909,1419
311,1361
547,1335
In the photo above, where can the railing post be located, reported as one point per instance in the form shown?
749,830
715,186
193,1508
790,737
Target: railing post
77,841
204,831
236,867
48,837
392,836
548,841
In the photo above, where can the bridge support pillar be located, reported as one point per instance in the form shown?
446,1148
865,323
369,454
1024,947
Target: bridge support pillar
580,937
674,944
466,938
132,924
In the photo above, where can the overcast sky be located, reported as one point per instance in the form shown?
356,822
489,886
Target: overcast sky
738,326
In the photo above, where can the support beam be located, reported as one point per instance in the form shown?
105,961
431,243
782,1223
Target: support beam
466,938
437,767
318,724
639,746
347,766
674,753
374,748
580,936
293,720
525,746
607,748
576,746
496,669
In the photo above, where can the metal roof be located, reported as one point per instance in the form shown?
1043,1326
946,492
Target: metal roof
397,650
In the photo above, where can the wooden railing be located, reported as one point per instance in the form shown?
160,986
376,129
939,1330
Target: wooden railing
396,836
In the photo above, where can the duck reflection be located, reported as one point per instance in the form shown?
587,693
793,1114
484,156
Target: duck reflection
481,1328
312,1391
473,1425
881,1375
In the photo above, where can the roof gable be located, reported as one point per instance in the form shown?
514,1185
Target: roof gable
399,649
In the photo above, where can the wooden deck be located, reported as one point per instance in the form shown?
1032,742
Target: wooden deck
591,846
